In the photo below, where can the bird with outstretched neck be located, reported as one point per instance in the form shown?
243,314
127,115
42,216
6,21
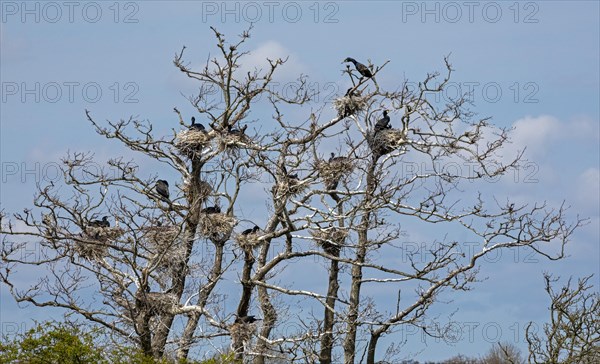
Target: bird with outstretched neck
361,68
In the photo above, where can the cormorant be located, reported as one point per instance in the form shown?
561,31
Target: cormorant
241,131
250,231
383,123
361,68
333,158
162,187
246,320
198,126
211,210
292,176
104,223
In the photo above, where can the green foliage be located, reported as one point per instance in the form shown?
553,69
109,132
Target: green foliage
59,343
50,343
228,358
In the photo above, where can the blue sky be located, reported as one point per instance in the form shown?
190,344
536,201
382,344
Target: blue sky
533,66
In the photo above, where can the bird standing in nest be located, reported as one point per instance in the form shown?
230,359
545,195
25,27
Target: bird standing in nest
333,158
237,132
211,210
104,223
246,319
361,68
251,230
383,123
198,127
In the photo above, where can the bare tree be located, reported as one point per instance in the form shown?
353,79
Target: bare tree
573,333
503,353
145,279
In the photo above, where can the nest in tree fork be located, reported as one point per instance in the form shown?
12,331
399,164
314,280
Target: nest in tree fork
330,239
332,172
204,188
385,141
162,243
190,142
158,303
216,226
93,243
349,105
290,187
242,332
249,241
229,141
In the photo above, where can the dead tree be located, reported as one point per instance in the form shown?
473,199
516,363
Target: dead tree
175,255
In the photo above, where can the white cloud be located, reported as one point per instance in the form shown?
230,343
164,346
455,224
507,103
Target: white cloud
257,59
540,134
535,133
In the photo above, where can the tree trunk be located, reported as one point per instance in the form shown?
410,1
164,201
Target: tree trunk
361,253
192,324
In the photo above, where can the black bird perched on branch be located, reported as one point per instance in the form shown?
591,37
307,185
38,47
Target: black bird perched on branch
162,187
104,223
211,210
383,123
198,126
361,68
250,231
246,320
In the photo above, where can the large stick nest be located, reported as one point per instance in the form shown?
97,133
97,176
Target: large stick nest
242,332
349,105
93,243
290,187
330,239
190,142
385,141
159,303
216,226
204,188
163,243
331,172
249,241
229,141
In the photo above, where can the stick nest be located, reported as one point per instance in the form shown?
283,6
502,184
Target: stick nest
159,303
93,243
190,142
330,239
228,141
386,141
216,226
162,242
249,241
349,105
332,172
242,332
290,187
